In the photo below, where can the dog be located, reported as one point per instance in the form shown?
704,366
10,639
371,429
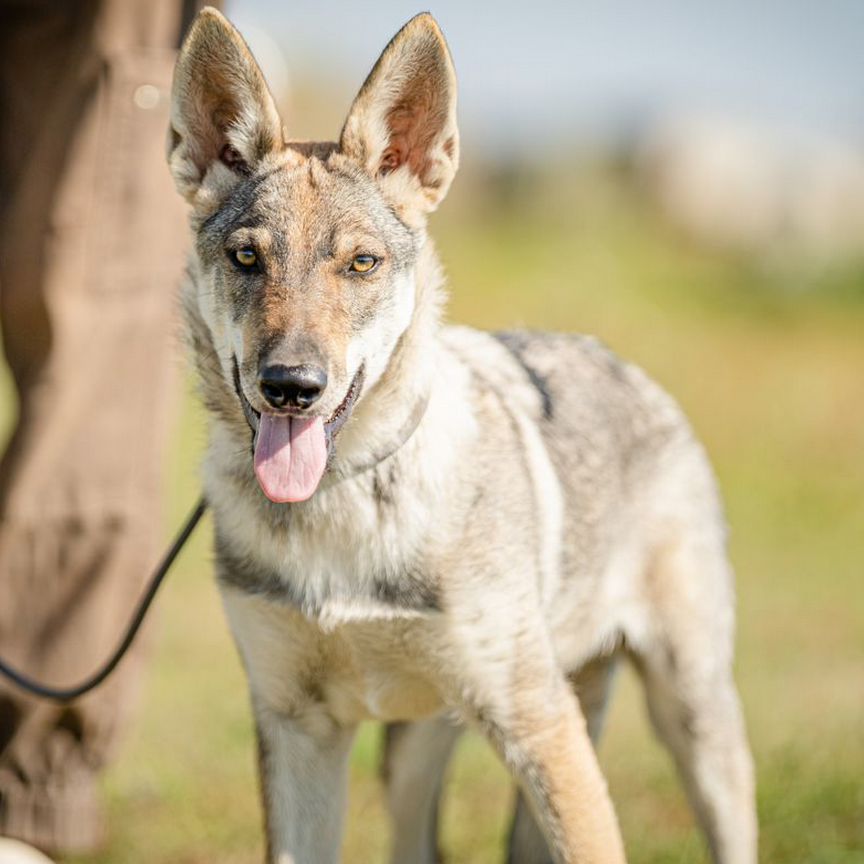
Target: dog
426,524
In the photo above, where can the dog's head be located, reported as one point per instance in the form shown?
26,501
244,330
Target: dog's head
306,252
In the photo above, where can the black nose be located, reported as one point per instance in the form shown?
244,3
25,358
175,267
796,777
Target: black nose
292,386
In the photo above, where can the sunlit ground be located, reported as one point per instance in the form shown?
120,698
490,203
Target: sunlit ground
769,364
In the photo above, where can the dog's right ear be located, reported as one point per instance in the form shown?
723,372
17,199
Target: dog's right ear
222,113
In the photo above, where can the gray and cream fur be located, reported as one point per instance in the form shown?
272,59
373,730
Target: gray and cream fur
502,516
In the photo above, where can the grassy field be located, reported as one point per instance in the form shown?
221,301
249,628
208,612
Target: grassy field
769,364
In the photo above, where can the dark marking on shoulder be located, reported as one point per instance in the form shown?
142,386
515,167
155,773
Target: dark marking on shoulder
516,344
408,590
246,574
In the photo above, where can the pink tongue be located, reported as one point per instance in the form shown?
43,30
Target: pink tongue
290,457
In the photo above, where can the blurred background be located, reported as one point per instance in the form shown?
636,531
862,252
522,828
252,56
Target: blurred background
686,181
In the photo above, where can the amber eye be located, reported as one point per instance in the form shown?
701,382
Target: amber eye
363,263
246,257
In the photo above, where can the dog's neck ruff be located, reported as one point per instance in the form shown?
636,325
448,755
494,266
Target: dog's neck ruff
409,427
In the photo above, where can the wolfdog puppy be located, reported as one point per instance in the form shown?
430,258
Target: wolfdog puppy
416,522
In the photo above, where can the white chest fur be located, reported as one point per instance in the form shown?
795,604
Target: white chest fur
357,669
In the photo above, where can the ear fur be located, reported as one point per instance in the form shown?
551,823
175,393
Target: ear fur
402,125
221,109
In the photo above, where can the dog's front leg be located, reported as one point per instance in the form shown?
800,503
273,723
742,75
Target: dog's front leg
514,690
546,746
303,749
303,770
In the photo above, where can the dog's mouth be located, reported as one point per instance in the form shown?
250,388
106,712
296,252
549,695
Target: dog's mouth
291,451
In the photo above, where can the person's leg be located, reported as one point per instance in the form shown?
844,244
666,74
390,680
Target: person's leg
91,250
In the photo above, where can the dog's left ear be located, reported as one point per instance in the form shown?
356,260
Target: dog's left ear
402,125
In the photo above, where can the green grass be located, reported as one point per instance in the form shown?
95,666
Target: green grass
768,364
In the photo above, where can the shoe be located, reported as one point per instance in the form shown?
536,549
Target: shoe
15,852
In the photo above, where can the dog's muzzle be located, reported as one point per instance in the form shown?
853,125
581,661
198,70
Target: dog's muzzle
331,426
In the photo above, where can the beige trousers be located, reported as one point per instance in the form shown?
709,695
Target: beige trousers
91,250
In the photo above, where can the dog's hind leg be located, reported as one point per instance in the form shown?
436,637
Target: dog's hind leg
414,763
686,666
592,684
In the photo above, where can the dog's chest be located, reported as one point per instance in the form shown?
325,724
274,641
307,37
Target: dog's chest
353,670
378,673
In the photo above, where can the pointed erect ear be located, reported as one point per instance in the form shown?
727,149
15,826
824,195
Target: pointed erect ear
402,125
221,109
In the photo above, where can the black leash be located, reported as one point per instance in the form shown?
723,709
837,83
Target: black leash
67,694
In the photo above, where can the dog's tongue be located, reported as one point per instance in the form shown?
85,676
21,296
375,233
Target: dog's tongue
290,456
